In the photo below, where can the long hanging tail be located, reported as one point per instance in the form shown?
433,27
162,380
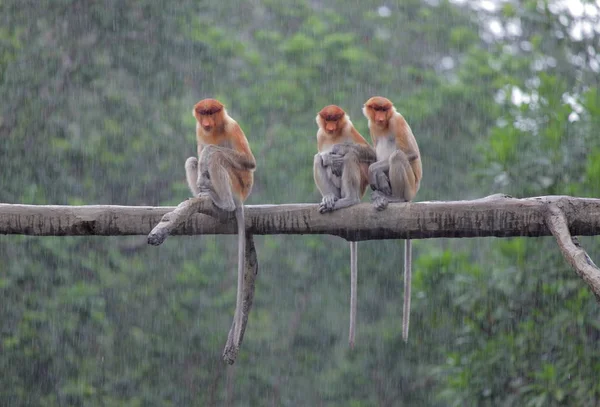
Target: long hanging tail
407,285
241,226
353,291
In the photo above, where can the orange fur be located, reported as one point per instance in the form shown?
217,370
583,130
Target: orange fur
385,121
398,159
215,127
335,127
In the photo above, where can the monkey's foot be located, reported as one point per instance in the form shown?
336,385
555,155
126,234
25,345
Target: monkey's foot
328,203
379,200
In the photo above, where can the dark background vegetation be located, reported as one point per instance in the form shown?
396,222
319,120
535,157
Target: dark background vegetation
96,109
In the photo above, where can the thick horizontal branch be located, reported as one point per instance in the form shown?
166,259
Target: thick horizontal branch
497,215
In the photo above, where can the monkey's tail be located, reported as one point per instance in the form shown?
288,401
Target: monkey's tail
353,291
407,285
239,302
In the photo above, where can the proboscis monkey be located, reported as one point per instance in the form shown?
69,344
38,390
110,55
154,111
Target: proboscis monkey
224,170
340,170
397,173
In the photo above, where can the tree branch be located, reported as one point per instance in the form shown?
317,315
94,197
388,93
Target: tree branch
497,215
571,250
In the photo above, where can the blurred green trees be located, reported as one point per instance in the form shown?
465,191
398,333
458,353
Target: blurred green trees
96,108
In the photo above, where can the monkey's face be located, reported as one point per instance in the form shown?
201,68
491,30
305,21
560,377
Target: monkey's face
331,126
381,116
207,122
208,113
378,110
331,119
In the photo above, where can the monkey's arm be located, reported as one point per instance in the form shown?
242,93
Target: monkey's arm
234,158
365,153
334,161
380,166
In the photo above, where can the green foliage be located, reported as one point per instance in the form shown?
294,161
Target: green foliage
96,109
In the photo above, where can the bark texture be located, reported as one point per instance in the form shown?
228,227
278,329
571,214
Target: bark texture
496,215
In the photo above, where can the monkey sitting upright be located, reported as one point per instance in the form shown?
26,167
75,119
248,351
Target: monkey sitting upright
396,175
224,170
340,169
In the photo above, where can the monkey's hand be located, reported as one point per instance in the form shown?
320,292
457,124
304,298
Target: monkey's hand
337,165
335,161
380,182
379,200
328,203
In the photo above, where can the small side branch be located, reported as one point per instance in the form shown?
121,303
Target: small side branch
231,349
571,250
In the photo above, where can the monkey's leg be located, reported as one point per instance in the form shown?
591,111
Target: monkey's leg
214,176
191,174
402,178
378,178
326,183
397,178
350,191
